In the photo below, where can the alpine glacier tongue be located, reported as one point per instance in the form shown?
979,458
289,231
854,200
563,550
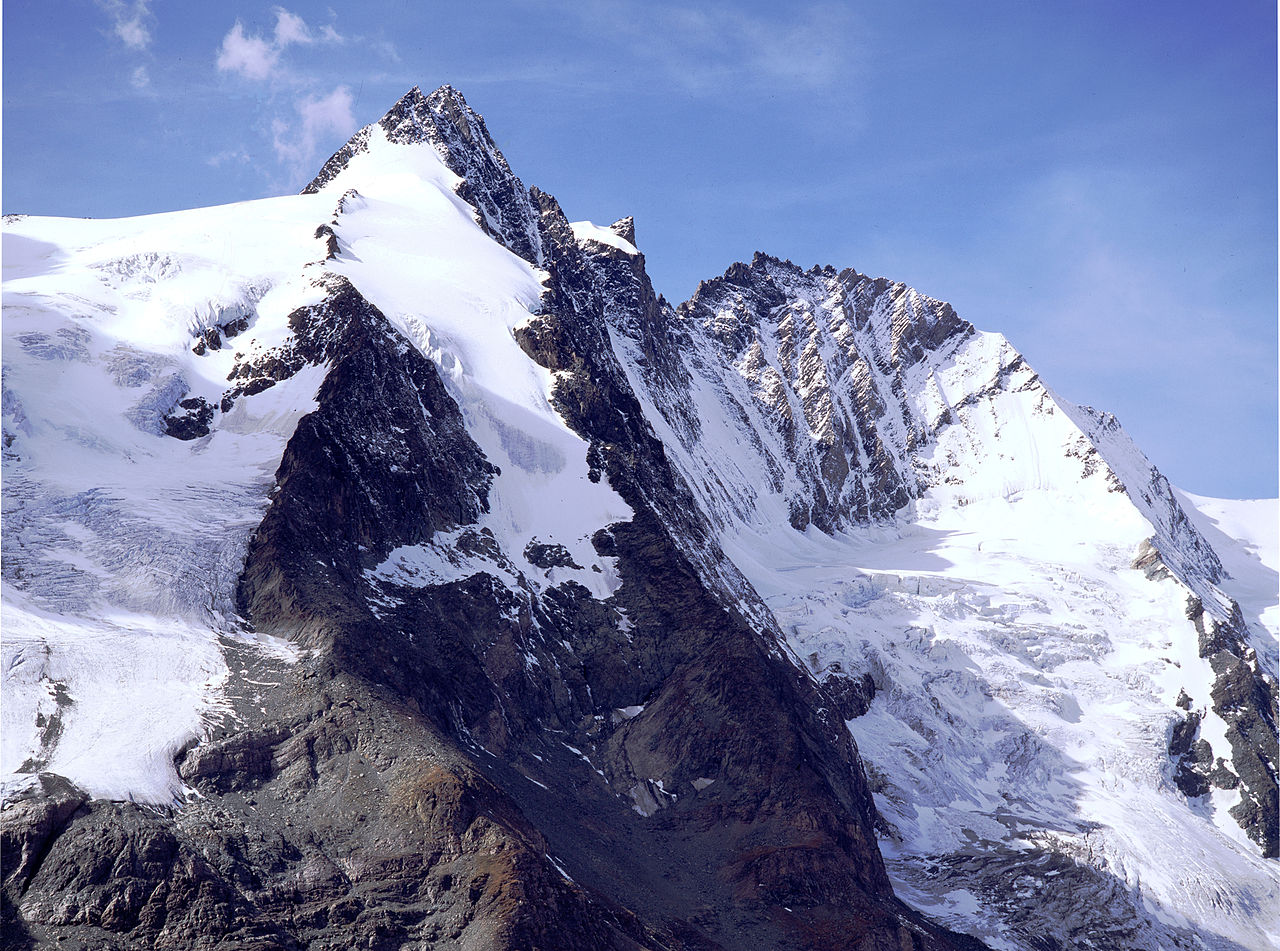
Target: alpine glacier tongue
456,590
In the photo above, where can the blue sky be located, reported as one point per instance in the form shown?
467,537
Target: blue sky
1097,181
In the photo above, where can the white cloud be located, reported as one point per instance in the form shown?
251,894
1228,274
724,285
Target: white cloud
299,129
250,56
239,156
140,78
291,28
330,116
130,22
256,57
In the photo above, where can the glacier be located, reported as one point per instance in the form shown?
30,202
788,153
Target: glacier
1004,603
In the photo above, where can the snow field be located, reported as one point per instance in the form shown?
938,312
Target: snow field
122,546
413,249
1026,674
130,541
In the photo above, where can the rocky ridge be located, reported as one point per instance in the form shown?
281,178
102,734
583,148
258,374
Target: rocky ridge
408,779
426,723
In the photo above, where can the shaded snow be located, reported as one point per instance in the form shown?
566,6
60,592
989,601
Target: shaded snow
1026,675
121,545
412,248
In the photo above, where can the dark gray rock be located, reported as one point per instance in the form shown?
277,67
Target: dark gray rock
193,420
1245,697
486,763
542,555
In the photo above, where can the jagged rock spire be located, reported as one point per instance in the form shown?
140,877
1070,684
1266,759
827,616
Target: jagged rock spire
457,132
625,228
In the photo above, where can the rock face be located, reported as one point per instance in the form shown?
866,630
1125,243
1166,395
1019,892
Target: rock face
445,121
1244,698
496,728
823,354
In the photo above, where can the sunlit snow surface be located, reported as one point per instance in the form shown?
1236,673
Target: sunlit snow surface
588,231
1027,684
1026,674
1246,535
411,247
122,545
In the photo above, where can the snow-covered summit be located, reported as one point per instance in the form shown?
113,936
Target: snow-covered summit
416,418
981,573
444,121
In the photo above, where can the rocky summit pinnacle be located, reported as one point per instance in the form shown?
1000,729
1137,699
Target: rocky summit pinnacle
625,228
444,121
488,601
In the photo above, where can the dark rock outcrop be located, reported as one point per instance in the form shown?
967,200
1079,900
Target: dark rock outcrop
1245,697
761,318
494,761
193,420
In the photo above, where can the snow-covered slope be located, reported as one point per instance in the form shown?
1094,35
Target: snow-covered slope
1055,666
977,604
1245,533
412,248
112,529
1025,683
121,545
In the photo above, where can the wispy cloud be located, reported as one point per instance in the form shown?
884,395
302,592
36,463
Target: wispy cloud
304,117
234,156
131,25
723,48
259,58
291,28
130,22
250,56
297,141
1123,309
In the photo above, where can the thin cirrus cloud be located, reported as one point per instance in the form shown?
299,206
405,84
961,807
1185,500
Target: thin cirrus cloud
238,155
131,25
296,142
710,49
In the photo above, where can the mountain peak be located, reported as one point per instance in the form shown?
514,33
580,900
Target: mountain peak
440,119
599,587
444,121
445,91
625,228
417,117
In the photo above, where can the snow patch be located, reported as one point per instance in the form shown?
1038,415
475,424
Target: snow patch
586,231
122,545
